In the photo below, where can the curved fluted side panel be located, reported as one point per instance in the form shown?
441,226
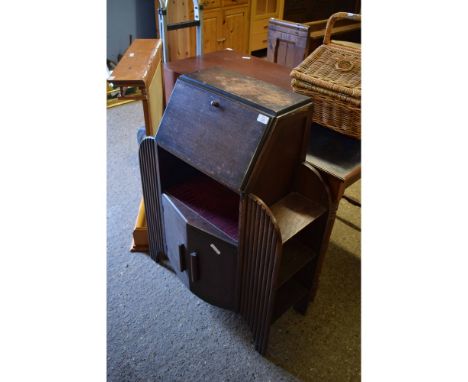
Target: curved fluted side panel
260,251
151,196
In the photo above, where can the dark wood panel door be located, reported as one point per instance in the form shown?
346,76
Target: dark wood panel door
203,257
212,268
175,228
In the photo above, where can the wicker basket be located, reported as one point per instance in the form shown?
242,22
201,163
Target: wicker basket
331,76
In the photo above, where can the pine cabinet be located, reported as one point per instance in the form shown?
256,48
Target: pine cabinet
266,8
213,31
235,27
261,11
226,24
226,29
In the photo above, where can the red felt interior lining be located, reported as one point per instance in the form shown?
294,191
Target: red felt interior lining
212,201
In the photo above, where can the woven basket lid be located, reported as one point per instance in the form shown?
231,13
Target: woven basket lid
334,68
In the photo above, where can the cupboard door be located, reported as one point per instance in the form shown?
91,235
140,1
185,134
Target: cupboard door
204,261
212,266
175,228
212,31
236,24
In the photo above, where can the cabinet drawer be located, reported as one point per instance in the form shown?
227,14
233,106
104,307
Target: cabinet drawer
209,4
228,3
260,26
259,41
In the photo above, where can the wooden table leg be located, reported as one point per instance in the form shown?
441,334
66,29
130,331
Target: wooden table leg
336,187
147,114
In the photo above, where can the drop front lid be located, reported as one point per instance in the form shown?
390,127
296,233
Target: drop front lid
218,120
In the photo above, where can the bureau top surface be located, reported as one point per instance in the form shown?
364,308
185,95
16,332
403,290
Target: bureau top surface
232,60
257,93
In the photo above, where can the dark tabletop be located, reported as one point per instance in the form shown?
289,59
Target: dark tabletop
334,153
231,60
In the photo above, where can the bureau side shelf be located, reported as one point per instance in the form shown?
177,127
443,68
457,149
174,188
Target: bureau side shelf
296,255
294,212
288,295
280,246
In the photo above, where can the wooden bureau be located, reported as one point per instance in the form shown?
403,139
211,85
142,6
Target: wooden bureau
231,204
335,156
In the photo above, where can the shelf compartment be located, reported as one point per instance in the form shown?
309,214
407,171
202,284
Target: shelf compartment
296,255
212,201
295,212
288,295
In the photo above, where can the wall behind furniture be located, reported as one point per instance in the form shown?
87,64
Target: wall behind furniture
309,10
125,18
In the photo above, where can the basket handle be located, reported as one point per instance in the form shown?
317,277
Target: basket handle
335,17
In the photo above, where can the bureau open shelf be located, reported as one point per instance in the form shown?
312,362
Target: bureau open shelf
211,200
296,255
288,295
300,220
287,237
295,212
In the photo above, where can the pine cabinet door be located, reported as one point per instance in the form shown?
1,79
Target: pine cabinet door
236,25
213,39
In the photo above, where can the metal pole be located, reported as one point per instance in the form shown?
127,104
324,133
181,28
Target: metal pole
162,17
198,16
